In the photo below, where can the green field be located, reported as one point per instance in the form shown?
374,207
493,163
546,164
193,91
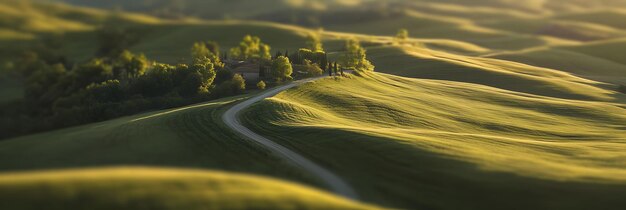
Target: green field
191,136
490,104
159,188
450,145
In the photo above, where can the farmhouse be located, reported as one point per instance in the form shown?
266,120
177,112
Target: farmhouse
248,69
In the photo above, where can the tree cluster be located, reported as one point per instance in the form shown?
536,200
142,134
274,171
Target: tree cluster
355,57
251,47
59,95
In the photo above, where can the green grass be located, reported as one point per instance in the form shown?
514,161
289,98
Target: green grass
588,66
420,62
414,143
159,188
191,136
513,117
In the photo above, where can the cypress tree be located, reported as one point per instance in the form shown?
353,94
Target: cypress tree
261,71
330,69
324,61
278,54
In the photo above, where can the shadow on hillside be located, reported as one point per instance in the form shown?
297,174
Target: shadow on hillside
388,172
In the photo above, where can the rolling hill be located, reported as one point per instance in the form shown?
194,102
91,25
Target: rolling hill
191,136
449,145
491,104
159,188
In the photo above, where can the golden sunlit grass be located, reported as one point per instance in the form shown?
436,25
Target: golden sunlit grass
515,115
159,188
412,129
556,139
421,62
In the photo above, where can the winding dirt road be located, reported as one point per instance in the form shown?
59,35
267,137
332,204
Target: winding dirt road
334,182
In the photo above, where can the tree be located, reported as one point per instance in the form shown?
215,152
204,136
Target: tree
206,69
251,48
94,71
192,85
209,50
281,69
238,83
264,52
107,91
330,69
199,50
223,75
138,66
278,54
213,47
127,65
324,61
312,69
313,42
355,57
402,35
260,85
157,82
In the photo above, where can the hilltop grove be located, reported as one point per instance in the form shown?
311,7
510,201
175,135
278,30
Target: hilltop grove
117,82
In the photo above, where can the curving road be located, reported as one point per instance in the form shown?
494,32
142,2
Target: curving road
333,181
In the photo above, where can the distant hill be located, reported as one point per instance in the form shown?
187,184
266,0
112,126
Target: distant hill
496,24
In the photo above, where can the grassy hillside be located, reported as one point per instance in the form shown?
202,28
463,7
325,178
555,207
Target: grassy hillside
413,143
421,62
158,188
495,24
601,60
585,65
191,136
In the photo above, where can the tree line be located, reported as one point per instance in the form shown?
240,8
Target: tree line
117,82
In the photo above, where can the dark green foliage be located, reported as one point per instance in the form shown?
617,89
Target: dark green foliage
108,91
330,69
95,71
318,57
213,47
323,61
109,87
312,69
223,75
191,85
157,82
127,65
